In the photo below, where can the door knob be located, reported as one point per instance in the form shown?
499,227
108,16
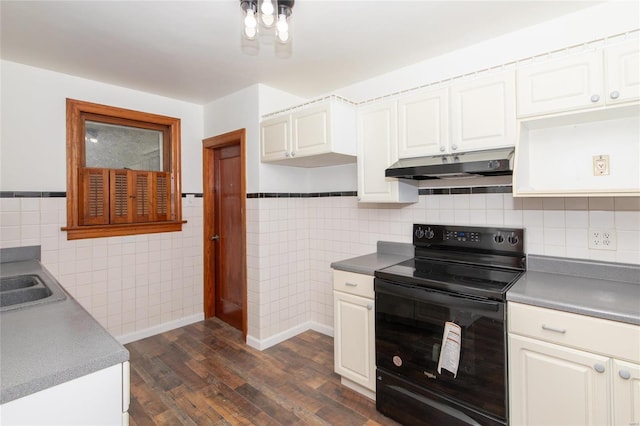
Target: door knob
215,237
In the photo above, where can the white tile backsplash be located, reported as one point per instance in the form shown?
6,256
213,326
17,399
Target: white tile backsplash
339,228
132,283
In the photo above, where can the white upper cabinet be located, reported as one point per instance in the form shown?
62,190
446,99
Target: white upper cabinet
323,134
561,85
588,80
593,153
581,119
483,113
275,136
423,124
377,150
623,72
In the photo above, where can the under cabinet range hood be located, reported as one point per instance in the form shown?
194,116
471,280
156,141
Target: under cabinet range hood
494,162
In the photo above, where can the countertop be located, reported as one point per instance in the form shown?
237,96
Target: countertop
598,289
387,254
49,344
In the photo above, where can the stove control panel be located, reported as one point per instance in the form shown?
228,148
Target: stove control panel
473,237
462,236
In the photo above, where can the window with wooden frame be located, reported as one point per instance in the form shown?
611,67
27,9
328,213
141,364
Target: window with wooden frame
123,172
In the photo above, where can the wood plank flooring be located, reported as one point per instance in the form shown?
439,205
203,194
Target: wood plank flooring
204,374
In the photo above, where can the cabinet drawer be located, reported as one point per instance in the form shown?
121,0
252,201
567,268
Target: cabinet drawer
352,283
597,335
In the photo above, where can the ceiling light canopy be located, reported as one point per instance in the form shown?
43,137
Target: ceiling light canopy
264,14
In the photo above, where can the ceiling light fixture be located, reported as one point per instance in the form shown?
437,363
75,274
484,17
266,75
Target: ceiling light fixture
266,13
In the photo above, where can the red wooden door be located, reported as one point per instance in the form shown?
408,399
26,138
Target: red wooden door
229,251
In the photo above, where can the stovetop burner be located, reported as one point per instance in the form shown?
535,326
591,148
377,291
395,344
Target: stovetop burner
490,283
475,261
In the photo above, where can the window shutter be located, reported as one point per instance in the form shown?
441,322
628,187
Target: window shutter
162,192
141,183
121,194
94,196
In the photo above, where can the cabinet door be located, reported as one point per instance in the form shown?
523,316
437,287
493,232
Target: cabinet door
423,124
483,113
623,72
626,393
561,85
354,340
377,150
94,399
311,131
554,385
274,138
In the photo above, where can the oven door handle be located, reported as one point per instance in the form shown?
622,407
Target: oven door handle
428,295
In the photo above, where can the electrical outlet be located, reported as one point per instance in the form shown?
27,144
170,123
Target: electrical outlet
600,165
602,239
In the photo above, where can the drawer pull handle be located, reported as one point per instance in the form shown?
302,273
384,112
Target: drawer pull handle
348,284
599,368
624,374
556,330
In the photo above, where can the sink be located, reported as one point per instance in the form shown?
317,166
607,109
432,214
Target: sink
21,281
21,291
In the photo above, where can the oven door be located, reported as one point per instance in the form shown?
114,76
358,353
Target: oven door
410,322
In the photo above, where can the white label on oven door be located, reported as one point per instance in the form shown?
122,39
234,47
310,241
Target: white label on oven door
450,352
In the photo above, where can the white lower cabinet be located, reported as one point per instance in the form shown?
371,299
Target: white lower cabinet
626,393
568,369
99,398
354,331
554,385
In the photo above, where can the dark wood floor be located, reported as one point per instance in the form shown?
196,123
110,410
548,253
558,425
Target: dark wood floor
204,374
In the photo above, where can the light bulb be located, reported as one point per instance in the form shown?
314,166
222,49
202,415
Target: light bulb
283,36
267,8
268,20
282,26
250,19
250,32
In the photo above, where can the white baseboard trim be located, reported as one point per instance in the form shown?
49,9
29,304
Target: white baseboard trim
287,334
160,328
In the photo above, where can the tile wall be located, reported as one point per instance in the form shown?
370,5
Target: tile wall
127,283
339,228
131,284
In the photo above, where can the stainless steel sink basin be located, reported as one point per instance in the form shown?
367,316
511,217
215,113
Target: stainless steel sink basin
21,291
21,281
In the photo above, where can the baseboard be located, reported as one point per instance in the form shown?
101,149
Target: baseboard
287,334
160,328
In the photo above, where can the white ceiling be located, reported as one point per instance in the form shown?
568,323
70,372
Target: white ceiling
191,50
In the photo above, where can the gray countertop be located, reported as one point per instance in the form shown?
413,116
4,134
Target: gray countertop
49,344
598,289
387,254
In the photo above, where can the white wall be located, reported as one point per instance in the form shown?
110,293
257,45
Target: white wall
33,135
133,285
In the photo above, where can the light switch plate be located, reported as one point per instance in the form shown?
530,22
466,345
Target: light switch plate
600,165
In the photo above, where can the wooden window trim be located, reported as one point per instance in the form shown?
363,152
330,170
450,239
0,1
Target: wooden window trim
77,112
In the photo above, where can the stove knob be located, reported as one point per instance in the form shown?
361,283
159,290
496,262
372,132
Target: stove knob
499,239
419,233
513,239
429,233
